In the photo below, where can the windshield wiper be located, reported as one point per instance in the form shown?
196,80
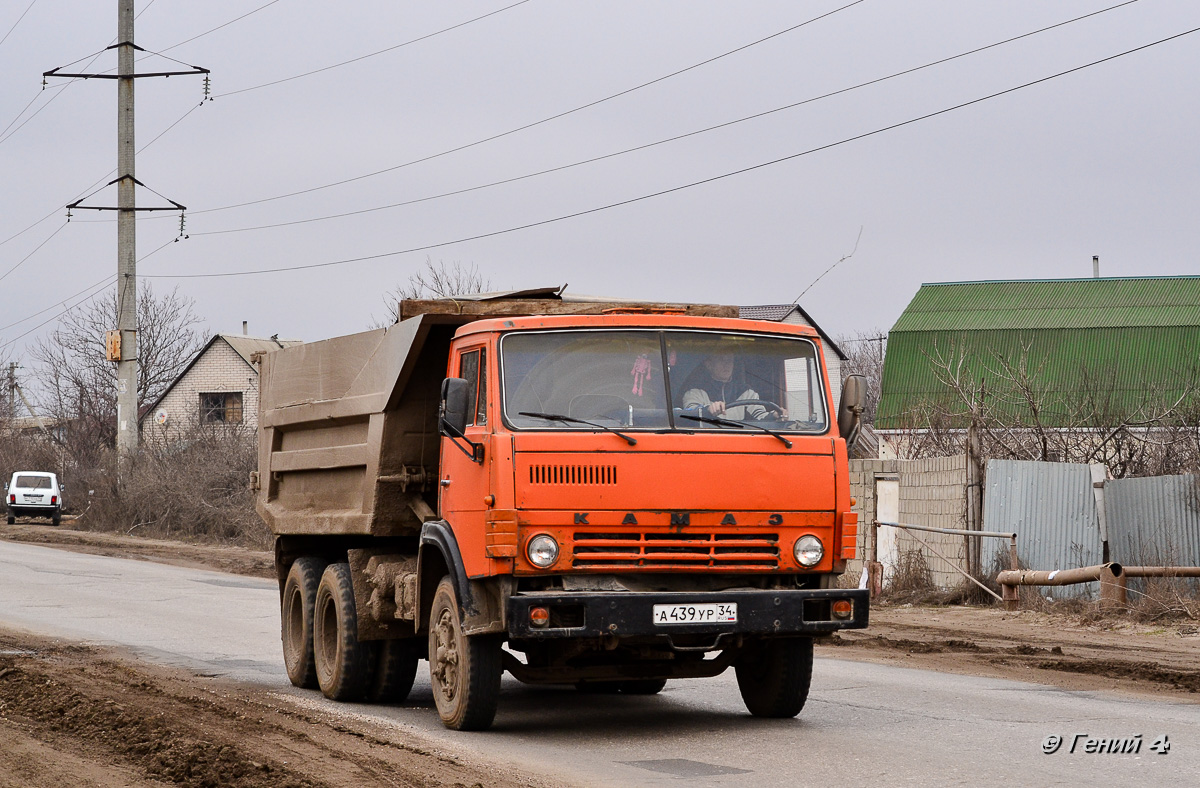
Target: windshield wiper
738,424
573,420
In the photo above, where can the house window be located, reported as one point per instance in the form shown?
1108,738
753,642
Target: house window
224,407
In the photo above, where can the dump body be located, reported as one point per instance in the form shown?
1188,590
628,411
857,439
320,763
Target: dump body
615,491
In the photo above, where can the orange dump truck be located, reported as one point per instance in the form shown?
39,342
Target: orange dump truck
586,493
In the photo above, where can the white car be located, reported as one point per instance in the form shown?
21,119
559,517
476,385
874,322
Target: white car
33,494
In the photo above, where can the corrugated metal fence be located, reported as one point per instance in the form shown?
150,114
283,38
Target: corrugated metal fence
1052,507
1154,521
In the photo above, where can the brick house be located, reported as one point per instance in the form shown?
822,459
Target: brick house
218,387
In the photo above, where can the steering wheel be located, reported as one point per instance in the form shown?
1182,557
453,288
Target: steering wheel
766,403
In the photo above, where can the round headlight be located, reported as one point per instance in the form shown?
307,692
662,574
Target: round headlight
542,550
809,551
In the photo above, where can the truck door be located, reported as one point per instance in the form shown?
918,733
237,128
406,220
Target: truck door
464,482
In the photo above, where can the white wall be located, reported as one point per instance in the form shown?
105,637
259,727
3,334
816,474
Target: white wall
219,369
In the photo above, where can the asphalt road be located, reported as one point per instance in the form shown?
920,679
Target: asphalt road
864,723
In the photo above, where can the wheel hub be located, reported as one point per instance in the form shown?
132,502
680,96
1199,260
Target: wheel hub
445,667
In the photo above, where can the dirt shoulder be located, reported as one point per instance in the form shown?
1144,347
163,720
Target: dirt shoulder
234,560
87,717
1068,651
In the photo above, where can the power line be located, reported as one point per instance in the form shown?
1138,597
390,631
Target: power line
534,123
14,26
31,254
692,184
110,279
218,27
372,54
664,141
93,286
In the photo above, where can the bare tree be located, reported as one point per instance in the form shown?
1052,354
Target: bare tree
78,386
865,353
1019,414
434,280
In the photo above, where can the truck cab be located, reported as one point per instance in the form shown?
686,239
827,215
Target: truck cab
616,499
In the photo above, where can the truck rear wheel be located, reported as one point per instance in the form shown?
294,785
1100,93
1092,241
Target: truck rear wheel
774,676
395,669
342,663
299,597
464,670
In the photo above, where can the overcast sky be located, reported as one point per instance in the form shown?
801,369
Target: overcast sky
1025,185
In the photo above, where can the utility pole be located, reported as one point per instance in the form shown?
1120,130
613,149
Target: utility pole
122,344
12,389
127,365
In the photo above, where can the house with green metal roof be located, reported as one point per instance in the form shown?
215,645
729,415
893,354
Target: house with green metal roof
1120,345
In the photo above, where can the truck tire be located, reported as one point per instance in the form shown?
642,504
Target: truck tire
395,669
343,667
773,676
464,670
296,614
56,519
11,520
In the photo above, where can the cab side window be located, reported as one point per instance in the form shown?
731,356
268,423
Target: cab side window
472,367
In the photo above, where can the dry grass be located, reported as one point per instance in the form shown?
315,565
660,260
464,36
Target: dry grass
196,490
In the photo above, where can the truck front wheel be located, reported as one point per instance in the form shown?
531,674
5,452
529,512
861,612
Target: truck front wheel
299,597
773,676
464,670
342,661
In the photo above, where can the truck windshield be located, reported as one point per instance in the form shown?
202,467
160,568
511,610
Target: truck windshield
717,381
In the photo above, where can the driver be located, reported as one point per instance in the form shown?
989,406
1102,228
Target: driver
713,387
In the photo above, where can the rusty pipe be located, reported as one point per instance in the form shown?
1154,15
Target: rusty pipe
1162,571
1058,577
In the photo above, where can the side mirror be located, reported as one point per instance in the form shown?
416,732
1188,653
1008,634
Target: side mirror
854,397
453,411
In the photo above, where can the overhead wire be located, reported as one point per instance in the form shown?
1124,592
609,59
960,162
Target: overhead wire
17,265
14,25
665,140
103,283
535,123
684,186
372,54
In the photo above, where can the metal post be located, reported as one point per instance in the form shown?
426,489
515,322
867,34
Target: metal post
1012,595
874,568
127,366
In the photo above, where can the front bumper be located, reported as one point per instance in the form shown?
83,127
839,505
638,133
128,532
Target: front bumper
629,614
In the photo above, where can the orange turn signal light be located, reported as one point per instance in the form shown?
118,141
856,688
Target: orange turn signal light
539,616
842,608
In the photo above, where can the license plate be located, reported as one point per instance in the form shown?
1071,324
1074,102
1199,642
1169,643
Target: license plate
707,613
